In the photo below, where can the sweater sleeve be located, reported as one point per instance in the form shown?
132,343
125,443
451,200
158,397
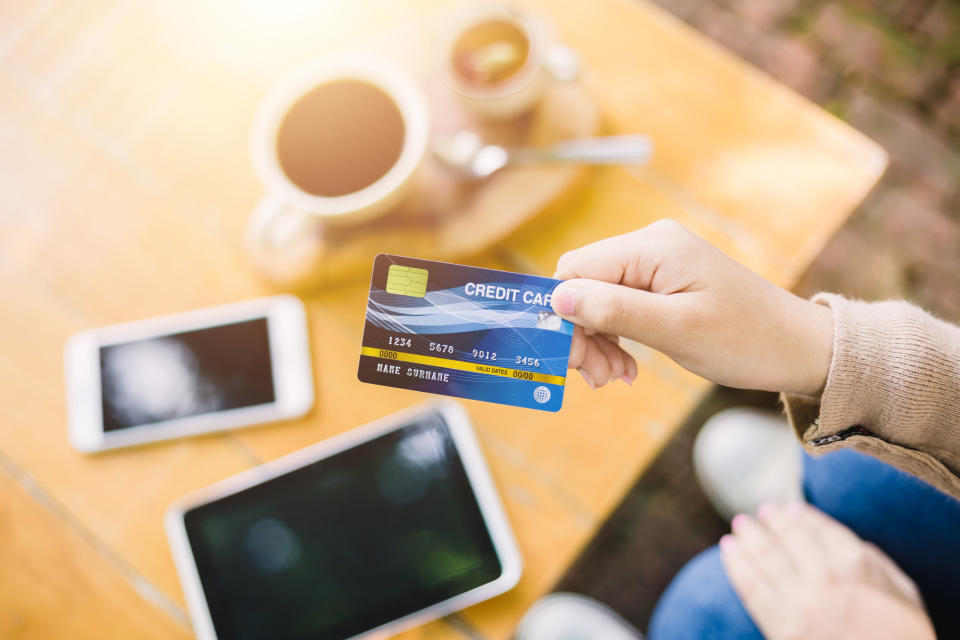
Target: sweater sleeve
893,390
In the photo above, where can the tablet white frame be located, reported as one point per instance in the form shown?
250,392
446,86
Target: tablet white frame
289,360
478,475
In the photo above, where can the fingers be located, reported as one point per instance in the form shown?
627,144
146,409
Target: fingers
601,307
620,287
632,258
578,348
847,555
817,546
595,369
814,541
747,579
799,573
830,531
761,546
801,545
606,260
632,369
600,359
615,356
843,551
899,581
763,575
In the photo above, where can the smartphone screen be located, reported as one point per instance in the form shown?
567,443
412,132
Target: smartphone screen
186,374
344,544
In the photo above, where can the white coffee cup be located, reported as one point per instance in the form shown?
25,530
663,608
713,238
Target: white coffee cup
288,212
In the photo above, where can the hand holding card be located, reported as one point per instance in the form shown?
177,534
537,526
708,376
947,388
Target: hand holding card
466,332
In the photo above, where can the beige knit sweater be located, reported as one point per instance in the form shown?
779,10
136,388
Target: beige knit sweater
893,390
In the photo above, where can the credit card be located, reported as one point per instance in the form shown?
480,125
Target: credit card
465,332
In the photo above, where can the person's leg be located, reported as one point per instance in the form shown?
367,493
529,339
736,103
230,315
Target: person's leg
915,524
700,603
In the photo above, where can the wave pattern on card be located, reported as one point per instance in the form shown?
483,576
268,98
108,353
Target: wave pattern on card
465,332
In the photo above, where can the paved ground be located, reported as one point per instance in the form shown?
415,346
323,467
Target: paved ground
892,69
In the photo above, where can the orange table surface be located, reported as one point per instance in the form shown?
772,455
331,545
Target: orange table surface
125,185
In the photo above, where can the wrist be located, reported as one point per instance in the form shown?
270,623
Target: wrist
817,330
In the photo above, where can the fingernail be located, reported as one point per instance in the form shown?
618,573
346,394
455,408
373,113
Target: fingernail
766,510
738,521
626,378
565,300
727,542
586,376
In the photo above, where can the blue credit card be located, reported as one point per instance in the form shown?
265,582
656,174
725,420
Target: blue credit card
465,332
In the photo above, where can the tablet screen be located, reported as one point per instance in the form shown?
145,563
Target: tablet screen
344,544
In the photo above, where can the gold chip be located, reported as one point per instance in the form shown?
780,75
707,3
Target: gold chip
407,281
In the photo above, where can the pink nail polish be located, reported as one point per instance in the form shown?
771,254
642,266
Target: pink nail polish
565,300
738,521
626,378
727,542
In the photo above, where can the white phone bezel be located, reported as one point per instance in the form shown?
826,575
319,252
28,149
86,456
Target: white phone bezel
478,475
289,356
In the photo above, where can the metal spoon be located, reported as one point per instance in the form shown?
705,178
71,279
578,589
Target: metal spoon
465,152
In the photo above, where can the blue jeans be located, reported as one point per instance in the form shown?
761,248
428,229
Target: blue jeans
915,524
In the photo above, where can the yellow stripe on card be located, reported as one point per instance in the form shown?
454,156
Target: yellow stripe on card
474,367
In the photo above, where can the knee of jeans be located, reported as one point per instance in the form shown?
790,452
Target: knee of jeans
700,603
865,493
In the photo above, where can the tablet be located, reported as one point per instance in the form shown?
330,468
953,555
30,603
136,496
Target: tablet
373,531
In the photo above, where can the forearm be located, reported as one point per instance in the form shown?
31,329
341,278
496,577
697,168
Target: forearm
893,390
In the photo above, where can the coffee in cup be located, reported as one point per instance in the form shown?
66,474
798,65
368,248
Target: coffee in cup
340,137
336,140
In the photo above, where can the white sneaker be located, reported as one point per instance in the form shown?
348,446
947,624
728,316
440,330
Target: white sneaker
568,616
744,457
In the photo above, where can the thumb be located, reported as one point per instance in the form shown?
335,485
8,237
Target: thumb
611,308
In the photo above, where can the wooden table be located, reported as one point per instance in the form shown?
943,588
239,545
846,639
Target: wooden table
125,186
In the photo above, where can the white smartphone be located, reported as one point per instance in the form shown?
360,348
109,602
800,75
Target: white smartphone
369,533
218,368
